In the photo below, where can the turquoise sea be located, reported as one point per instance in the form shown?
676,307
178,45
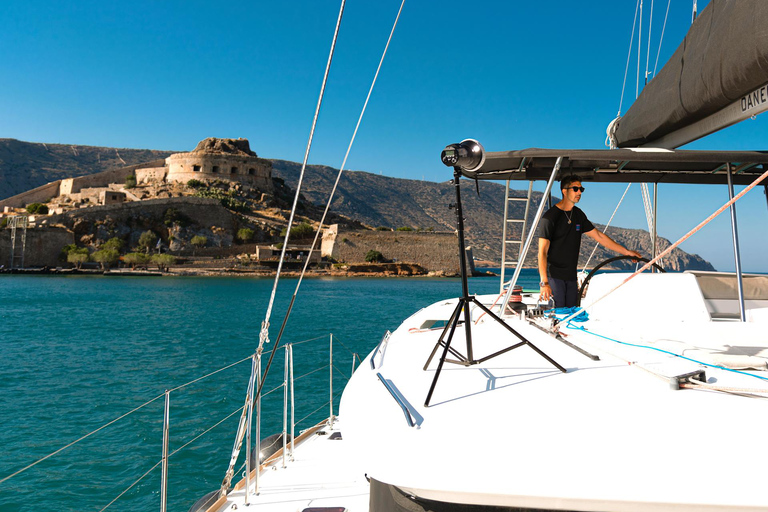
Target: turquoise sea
79,352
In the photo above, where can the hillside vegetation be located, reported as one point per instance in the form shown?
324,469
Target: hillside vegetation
374,200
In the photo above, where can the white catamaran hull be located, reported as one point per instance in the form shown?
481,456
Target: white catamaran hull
608,435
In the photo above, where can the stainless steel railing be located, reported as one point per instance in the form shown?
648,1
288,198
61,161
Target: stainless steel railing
289,422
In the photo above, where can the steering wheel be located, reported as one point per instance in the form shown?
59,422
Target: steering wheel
583,288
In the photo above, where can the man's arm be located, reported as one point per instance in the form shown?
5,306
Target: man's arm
546,290
609,243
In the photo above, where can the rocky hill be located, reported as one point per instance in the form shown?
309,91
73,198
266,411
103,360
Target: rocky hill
374,200
26,165
383,201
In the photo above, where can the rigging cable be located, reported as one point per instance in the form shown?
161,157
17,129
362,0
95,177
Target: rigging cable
610,138
629,55
639,49
685,237
328,205
264,334
606,226
661,39
648,51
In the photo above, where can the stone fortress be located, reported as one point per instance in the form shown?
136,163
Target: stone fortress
213,158
230,159
102,205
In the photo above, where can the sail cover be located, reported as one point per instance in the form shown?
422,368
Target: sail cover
644,165
722,61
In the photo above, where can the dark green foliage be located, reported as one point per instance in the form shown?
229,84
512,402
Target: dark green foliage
245,234
147,240
113,243
106,257
37,208
130,181
229,199
300,231
405,228
74,254
163,261
136,258
199,241
78,258
71,249
4,222
173,216
383,228
195,183
373,256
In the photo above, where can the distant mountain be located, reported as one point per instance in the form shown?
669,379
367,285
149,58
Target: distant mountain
383,201
27,165
372,199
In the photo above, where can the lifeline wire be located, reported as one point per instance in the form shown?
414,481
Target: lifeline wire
683,239
264,334
80,439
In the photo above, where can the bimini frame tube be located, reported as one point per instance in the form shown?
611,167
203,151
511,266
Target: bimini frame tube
736,252
531,233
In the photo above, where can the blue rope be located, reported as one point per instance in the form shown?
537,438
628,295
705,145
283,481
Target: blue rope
562,313
584,329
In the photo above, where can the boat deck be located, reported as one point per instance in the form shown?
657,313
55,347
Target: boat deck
322,473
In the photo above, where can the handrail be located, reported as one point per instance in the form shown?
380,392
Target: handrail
166,413
397,398
380,347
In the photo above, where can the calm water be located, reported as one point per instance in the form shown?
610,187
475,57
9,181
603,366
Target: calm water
78,352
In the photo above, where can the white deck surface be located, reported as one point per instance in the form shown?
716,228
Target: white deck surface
608,435
322,474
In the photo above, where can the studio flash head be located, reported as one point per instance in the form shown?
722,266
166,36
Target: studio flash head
468,155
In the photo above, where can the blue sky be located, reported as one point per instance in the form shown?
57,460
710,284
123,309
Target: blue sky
164,75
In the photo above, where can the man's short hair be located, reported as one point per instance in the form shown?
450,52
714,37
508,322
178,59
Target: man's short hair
567,181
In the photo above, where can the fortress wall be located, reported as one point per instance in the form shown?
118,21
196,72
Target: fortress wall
257,172
220,216
433,251
74,185
151,174
42,249
100,180
40,194
104,179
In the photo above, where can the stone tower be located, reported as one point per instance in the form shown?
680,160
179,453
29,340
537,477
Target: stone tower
224,159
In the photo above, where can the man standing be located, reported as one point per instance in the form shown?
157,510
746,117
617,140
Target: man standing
560,233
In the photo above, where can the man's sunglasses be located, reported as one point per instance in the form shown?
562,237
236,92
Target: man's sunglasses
577,189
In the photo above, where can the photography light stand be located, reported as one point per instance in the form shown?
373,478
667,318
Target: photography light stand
454,155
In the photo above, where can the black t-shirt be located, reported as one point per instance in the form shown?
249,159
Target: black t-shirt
564,240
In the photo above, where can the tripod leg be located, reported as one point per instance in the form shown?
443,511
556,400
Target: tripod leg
468,328
442,335
445,353
523,339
